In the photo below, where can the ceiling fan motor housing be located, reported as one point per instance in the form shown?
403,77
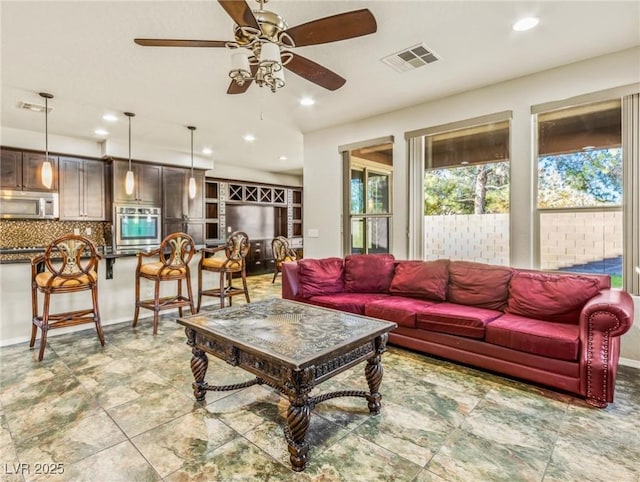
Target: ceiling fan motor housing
271,26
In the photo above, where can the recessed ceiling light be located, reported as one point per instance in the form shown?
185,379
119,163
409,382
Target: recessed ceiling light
249,138
207,150
100,132
307,101
109,118
283,158
525,23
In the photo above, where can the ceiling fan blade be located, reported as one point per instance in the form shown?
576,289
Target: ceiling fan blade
155,42
315,73
336,27
240,12
234,88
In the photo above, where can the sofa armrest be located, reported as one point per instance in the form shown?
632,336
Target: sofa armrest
610,311
603,319
290,281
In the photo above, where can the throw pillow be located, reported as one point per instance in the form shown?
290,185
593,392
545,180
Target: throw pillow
421,279
320,276
478,284
558,298
368,273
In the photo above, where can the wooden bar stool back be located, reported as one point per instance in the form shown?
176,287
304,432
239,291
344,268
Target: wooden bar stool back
68,265
282,253
234,261
169,262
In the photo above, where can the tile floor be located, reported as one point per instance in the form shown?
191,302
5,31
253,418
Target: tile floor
127,413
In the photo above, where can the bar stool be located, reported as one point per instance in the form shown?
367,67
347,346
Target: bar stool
70,265
234,261
282,253
171,264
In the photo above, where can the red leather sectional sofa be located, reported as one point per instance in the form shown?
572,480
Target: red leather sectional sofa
557,329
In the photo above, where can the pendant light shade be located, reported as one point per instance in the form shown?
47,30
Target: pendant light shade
47,172
192,180
129,181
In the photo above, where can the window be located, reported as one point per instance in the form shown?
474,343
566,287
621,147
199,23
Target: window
579,189
466,193
367,227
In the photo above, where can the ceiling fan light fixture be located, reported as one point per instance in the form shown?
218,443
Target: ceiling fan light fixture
269,40
240,68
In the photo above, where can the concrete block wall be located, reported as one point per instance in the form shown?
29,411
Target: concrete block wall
566,239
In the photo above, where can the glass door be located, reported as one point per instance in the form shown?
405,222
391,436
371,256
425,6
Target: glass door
369,227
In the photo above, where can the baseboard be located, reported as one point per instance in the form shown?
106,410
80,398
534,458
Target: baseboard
628,362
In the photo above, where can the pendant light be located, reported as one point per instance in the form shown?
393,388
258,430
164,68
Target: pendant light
47,172
128,180
192,180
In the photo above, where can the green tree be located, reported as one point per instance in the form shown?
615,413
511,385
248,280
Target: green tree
584,178
476,189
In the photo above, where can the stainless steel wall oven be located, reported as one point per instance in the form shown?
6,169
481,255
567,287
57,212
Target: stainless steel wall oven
137,226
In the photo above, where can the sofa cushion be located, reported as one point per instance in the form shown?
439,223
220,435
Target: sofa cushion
320,276
351,302
478,284
368,273
550,339
397,308
456,319
421,279
557,298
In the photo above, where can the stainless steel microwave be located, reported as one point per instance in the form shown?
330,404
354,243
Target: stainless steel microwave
28,205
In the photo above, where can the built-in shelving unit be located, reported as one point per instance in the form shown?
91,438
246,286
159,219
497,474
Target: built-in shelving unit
263,211
212,211
295,208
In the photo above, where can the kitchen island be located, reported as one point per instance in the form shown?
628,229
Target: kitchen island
116,295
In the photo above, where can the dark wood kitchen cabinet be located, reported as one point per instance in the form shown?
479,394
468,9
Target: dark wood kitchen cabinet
82,189
21,170
260,259
179,212
147,188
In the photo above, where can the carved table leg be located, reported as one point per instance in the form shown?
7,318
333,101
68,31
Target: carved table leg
199,364
298,415
373,372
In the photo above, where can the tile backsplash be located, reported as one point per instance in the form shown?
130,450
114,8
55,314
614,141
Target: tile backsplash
25,233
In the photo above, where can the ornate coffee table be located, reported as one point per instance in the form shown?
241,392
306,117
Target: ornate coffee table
291,347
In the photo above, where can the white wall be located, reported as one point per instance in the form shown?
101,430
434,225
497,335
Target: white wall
323,171
24,139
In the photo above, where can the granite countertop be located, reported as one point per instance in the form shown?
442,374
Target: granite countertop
25,256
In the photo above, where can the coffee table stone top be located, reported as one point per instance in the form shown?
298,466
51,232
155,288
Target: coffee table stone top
295,333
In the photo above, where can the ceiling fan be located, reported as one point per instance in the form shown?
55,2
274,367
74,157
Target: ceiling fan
263,41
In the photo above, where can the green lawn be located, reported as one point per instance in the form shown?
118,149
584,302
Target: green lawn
616,281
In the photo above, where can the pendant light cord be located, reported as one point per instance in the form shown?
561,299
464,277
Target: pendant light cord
46,129
129,142
191,128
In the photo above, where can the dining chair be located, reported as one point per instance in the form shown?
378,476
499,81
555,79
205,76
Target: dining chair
282,253
68,265
168,262
225,260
